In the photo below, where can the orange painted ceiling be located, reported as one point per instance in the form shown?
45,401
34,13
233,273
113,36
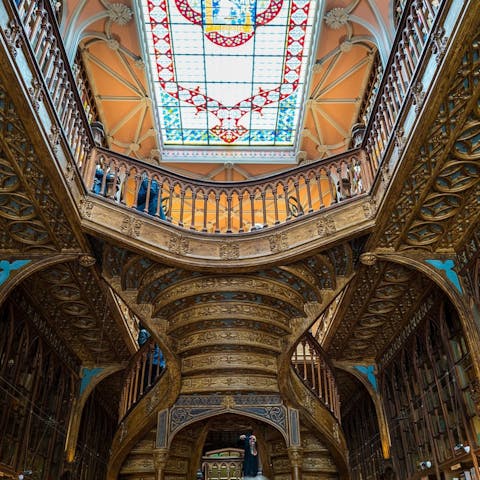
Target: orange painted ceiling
351,34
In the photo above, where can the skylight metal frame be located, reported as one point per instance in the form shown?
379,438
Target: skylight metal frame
232,152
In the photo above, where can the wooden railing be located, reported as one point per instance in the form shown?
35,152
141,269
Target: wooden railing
413,34
41,30
143,371
311,365
227,208
217,207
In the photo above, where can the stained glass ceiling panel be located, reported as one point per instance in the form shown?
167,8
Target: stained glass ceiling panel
228,74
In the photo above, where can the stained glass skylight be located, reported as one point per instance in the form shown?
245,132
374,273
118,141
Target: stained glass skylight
228,75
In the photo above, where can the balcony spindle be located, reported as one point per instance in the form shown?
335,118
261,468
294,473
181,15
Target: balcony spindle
229,214
182,205
275,206
287,206
252,209
309,194
205,204
171,191
192,218
240,212
264,208
217,212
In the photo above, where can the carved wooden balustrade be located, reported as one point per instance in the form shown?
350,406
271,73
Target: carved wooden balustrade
143,371
413,34
212,207
41,30
226,207
311,365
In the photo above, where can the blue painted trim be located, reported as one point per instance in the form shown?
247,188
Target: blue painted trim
6,267
87,376
369,372
447,266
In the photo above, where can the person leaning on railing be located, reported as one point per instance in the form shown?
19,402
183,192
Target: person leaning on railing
154,359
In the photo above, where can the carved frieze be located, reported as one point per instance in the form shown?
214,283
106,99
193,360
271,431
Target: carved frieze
326,226
229,251
179,244
223,337
229,283
131,226
229,360
228,382
278,242
232,310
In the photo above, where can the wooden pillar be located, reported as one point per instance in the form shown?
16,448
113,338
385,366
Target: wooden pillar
160,457
295,454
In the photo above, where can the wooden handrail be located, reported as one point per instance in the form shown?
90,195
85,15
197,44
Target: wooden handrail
41,30
143,371
227,207
313,368
416,25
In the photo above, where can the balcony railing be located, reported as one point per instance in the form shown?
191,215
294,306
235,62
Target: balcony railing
216,207
41,30
227,208
313,368
413,33
143,371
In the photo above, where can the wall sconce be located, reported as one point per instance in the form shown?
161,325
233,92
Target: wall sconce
425,465
460,446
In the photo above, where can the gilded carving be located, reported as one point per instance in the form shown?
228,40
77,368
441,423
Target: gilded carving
87,260
36,94
295,454
179,244
441,179
229,382
86,207
278,242
418,94
131,226
368,258
69,173
230,310
439,43
231,283
370,208
225,337
400,139
160,457
230,359
13,37
326,226
54,137
229,251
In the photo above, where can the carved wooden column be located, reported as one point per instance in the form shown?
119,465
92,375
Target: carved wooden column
160,457
295,454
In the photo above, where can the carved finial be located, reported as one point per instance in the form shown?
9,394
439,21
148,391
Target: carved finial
368,258
87,260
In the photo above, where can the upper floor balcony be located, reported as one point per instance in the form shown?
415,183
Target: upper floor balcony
390,109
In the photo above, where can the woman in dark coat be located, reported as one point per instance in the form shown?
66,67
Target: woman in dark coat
250,458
